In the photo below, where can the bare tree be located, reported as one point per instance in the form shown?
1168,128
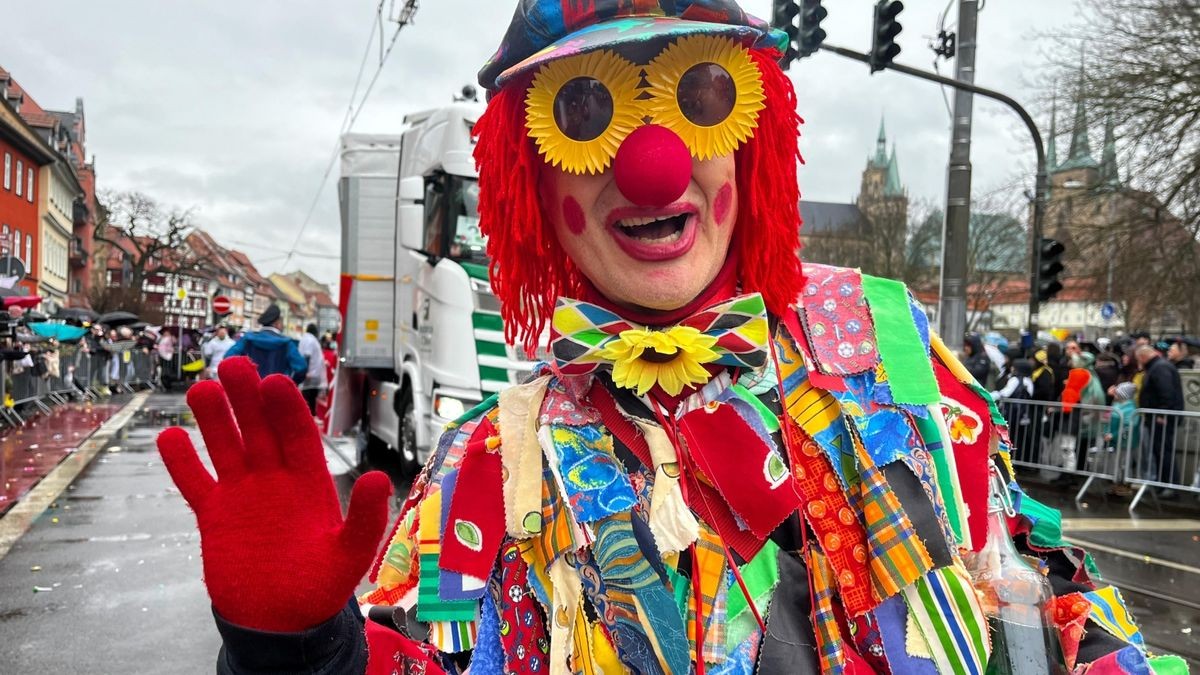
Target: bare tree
1141,74
149,237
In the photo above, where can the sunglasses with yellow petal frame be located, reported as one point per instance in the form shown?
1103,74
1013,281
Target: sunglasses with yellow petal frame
705,88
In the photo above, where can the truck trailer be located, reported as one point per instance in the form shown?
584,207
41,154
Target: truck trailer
422,339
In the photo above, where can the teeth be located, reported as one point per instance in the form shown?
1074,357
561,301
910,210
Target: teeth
638,222
673,237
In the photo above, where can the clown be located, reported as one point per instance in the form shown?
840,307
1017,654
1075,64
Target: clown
728,464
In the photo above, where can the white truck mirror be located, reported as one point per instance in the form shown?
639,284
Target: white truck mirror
410,212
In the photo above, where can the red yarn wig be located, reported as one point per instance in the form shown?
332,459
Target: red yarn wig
530,270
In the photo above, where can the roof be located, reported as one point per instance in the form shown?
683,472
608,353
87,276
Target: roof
831,219
288,290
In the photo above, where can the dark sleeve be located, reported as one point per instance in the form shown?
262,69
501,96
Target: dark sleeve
296,361
336,647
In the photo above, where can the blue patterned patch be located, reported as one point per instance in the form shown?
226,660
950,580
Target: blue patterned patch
595,485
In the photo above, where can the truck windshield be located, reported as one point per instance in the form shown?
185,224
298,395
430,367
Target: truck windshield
467,242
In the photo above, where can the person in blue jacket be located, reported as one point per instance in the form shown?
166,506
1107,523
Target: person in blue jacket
269,349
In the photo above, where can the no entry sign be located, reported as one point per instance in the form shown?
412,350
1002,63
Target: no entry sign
221,305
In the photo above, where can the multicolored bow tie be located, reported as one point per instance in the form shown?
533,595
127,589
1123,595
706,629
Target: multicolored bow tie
729,333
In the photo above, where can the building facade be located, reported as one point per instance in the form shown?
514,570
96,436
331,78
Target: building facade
23,153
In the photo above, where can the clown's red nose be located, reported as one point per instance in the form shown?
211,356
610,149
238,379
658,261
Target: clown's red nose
653,166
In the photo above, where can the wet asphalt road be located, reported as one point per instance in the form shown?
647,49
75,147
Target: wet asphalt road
123,567
122,563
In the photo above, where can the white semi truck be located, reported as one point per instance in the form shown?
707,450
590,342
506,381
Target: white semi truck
422,340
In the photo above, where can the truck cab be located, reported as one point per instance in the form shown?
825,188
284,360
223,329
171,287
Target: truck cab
446,351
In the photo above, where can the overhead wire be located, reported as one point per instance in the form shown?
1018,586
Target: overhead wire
353,111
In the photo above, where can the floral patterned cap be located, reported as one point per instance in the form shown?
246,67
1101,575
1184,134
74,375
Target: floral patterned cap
543,30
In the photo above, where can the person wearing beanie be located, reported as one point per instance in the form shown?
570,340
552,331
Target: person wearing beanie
730,462
269,349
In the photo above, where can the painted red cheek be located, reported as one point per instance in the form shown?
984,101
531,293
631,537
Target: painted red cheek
723,203
573,216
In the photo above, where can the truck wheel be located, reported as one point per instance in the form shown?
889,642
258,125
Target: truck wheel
410,461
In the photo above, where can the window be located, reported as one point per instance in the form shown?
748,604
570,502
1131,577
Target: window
20,173
16,245
29,184
28,251
7,171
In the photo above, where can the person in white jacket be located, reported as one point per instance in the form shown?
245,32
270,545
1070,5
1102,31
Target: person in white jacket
214,350
315,381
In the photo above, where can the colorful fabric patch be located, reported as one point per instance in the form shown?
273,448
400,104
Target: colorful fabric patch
522,629
740,658
825,622
453,637
886,432
937,444
488,656
1070,613
671,521
1109,611
397,571
839,325
521,456
836,524
595,485
430,607
755,480
900,345
970,429
475,526
1127,661
647,623
760,575
897,555
709,560
452,585
816,411
945,608
892,618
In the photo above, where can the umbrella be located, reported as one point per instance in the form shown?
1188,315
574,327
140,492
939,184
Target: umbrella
26,301
75,314
33,316
59,331
114,319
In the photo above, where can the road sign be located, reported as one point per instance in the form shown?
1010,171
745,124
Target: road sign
1108,311
11,266
221,305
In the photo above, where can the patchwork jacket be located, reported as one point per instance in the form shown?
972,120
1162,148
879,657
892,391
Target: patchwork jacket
811,516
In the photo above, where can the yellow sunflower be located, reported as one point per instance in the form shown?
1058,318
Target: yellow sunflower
618,76
671,358
686,58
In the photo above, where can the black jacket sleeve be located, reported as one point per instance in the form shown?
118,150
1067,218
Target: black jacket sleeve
336,647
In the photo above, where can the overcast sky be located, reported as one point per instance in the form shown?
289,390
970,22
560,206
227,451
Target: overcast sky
233,108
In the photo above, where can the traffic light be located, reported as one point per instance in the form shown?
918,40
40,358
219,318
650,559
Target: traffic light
883,39
1049,267
811,33
784,18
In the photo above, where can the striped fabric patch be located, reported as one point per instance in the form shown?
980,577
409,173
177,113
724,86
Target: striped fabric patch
453,637
945,609
430,607
828,634
1109,610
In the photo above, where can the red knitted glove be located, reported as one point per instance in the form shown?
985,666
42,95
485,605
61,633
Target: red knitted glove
277,554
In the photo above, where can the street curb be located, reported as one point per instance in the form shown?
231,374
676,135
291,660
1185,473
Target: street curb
18,520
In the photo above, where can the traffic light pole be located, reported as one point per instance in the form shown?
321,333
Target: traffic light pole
1041,181
956,235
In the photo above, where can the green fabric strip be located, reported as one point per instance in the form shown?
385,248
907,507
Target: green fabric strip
430,607
936,631
910,374
760,574
770,420
484,407
947,482
1168,665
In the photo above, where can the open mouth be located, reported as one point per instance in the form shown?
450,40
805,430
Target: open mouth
655,230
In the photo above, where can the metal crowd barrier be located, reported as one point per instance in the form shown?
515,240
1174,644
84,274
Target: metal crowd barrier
1086,441
70,372
1107,443
1168,455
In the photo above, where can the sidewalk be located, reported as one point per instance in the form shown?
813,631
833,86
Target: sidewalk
27,454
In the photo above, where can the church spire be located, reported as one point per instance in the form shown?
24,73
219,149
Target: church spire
892,187
1110,175
881,160
1081,150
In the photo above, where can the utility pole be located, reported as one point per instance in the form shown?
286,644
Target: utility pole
952,309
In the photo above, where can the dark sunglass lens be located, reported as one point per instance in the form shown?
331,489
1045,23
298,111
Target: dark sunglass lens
583,109
706,94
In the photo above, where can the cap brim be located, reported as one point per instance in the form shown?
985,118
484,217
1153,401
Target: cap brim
632,30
